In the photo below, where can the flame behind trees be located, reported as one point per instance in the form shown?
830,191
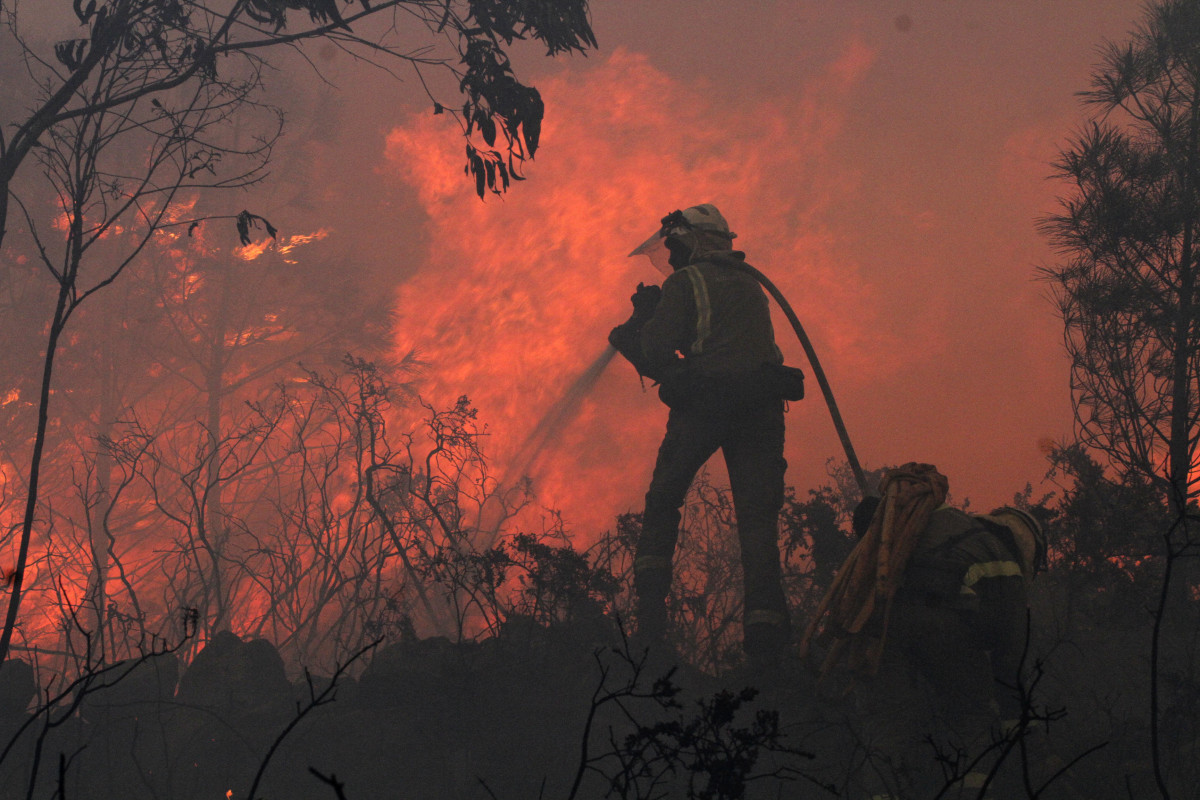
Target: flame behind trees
152,103
339,524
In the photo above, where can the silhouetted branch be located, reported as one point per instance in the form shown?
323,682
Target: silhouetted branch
331,781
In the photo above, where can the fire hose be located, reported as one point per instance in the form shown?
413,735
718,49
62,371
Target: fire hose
818,372
559,414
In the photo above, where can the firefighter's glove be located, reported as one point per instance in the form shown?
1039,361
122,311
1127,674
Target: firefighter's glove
864,512
645,300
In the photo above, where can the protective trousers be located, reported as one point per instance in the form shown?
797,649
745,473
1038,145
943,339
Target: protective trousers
933,694
749,431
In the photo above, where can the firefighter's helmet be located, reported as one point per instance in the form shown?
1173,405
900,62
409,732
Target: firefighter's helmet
1028,533
691,227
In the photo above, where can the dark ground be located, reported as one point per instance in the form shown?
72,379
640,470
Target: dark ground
505,718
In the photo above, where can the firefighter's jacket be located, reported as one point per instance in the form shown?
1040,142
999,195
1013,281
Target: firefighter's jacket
973,566
713,322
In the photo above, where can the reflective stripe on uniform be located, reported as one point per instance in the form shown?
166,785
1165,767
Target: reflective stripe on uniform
651,563
703,308
764,617
989,569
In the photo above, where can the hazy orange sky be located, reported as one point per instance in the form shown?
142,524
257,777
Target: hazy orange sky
883,162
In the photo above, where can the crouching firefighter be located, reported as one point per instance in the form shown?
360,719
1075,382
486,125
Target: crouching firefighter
706,338
930,611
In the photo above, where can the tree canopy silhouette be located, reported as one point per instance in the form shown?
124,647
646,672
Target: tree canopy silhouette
1127,231
1128,288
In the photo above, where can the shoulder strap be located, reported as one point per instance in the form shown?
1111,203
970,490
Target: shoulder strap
703,308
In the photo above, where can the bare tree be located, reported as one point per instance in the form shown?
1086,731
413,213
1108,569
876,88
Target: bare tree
126,119
339,525
332,575
433,491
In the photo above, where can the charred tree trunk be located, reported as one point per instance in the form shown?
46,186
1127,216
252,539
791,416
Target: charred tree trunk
57,324
96,593
213,527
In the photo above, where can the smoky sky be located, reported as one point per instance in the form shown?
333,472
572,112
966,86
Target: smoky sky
884,163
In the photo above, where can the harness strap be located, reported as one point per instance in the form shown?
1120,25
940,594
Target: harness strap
703,308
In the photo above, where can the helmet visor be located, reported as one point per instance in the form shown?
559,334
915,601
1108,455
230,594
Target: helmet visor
655,248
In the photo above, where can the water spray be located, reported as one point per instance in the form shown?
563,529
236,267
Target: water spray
564,409
556,418
559,414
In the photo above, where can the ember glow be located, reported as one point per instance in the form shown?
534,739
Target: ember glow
283,246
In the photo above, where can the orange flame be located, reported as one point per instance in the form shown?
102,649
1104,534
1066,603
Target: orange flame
518,295
283,246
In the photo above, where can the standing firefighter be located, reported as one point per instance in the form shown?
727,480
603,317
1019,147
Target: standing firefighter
930,612
706,338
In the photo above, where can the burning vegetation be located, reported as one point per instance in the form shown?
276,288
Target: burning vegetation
275,526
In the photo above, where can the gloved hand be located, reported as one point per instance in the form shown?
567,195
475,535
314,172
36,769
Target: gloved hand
863,513
645,300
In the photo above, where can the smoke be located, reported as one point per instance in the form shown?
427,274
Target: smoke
516,295
557,417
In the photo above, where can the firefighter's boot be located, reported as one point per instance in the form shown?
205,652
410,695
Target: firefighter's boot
766,636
